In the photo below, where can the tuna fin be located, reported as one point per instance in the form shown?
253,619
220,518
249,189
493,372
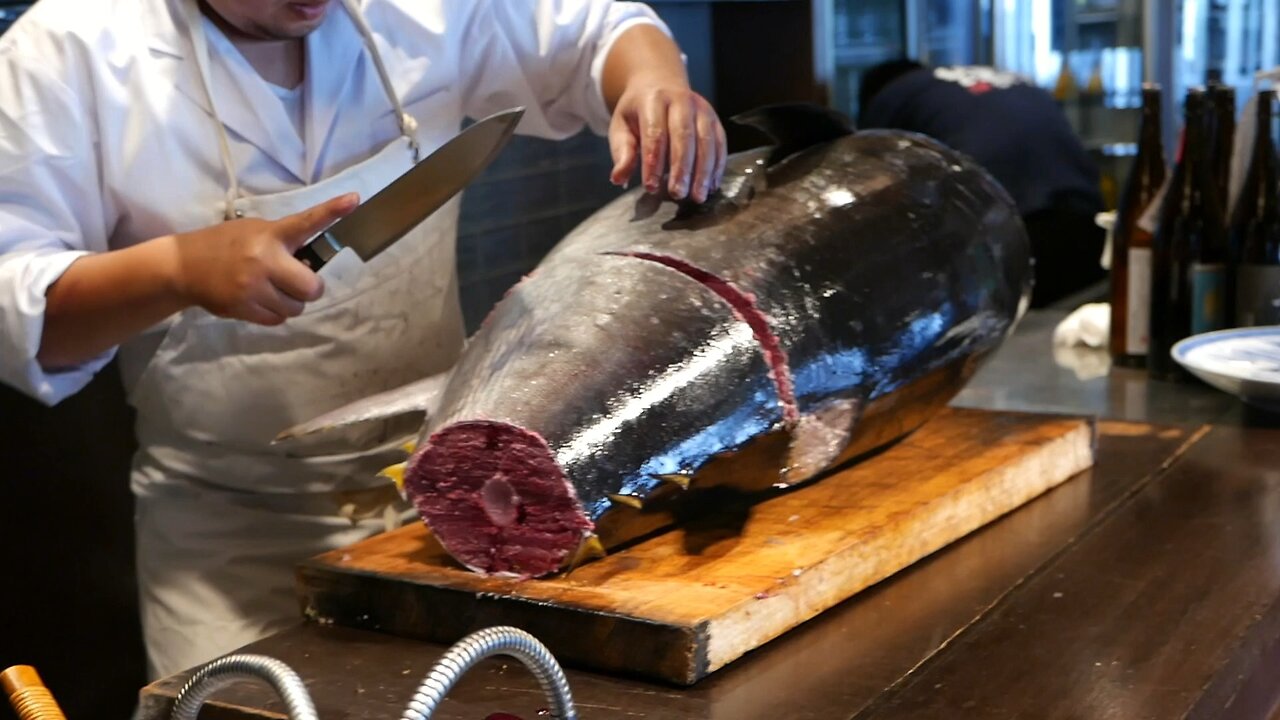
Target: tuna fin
418,396
796,127
409,447
819,438
630,501
589,549
680,479
394,473
649,203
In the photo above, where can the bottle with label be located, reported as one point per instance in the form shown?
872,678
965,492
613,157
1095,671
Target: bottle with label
1255,228
1189,250
1131,244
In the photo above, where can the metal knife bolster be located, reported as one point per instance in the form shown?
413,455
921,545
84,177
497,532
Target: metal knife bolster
317,253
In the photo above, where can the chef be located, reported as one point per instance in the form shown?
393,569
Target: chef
160,162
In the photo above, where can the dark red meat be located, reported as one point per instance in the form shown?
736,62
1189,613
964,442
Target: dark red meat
496,499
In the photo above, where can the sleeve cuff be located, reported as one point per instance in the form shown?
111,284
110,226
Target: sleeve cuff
24,280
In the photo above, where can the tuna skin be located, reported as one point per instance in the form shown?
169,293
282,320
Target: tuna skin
822,306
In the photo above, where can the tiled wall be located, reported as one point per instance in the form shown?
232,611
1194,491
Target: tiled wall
531,197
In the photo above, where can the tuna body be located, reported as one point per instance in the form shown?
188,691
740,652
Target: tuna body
828,301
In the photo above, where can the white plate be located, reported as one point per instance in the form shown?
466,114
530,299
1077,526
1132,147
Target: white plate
1244,362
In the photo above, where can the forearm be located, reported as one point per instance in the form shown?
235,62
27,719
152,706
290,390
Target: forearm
641,51
659,124
104,299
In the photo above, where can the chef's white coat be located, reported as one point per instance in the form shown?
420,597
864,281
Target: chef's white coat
105,135
107,140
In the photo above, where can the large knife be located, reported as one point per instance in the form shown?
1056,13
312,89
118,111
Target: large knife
411,198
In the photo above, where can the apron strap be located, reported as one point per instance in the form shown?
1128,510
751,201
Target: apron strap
408,125
200,42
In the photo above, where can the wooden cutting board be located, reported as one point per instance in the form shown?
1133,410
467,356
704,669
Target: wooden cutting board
685,603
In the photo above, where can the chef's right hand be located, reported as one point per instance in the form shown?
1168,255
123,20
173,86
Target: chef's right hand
245,269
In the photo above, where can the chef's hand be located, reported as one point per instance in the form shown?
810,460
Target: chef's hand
659,123
240,269
673,128
245,269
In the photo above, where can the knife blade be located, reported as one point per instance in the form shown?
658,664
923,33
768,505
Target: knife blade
411,198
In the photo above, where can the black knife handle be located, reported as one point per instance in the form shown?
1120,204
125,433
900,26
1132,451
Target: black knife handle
308,256
319,251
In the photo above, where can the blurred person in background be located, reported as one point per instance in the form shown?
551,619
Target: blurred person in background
1020,134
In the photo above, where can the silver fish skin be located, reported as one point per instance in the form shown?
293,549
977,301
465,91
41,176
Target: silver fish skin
837,292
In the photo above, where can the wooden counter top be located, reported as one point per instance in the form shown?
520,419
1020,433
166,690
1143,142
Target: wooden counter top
1144,588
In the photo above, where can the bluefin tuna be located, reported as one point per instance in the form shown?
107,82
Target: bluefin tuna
833,295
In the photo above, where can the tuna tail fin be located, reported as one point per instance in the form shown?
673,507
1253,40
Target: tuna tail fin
796,126
420,396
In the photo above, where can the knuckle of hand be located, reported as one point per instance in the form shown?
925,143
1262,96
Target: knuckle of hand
252,252
242,284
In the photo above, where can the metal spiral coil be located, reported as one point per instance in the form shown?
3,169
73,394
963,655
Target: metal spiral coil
36,704
220,672
479,645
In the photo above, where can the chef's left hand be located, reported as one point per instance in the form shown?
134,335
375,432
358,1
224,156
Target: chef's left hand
660,124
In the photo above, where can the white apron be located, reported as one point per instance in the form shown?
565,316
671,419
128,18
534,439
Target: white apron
222,514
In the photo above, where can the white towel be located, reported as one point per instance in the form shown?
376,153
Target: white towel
1088,326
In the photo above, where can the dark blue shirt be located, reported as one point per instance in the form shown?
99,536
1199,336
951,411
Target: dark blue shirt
1014,129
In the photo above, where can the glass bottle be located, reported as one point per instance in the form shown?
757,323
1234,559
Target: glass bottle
1131,244
1255,228
1189,249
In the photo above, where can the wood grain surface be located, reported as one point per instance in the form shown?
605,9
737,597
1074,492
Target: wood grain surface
687,602
838,664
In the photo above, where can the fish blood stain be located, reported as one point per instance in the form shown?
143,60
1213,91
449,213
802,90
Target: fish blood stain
744,306
494,496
